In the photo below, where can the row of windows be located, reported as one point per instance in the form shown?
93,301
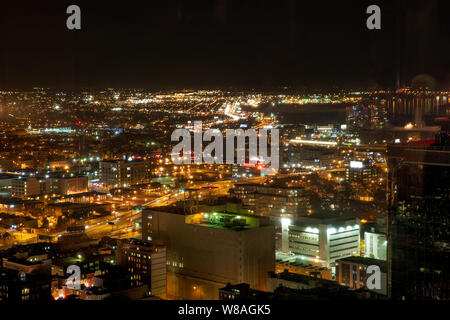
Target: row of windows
293,242
175,264
303,237
344,249
341,244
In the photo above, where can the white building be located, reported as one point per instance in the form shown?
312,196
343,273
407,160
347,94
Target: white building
375,245
322,239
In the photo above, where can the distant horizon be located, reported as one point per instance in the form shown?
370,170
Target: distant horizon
302,90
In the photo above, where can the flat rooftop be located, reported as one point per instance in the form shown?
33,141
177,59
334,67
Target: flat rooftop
365,261
322,218
223,220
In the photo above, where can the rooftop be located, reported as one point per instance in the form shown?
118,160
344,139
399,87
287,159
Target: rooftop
365,261
294,277
223,220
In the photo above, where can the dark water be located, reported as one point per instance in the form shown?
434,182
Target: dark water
320,114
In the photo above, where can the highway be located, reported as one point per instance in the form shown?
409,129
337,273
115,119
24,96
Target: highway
123,223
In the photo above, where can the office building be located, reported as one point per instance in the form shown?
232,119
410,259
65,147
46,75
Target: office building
418,220
245,192
375,245
146,264
207,250
272,200
378,113
121,173
17,286
353,272
357,118
322,239
279,201
363,172
65,185
25,187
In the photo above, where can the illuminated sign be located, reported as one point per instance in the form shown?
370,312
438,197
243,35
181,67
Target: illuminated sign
356,164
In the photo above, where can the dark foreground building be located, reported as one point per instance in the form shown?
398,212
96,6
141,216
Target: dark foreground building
19,286
418,222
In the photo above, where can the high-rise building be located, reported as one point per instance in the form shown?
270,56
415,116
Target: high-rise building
146,264
378,113
371,114
357,118
205,251
418,220
361,172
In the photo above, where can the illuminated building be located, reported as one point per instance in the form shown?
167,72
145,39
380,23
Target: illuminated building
378,114
361,172
245,192
273,201
351,272
278,200
58,184
375,245
205,251
372,114
25,187
321,239
246,170
309,155
145,263
121,173
294,264
357,118
6,181
65,185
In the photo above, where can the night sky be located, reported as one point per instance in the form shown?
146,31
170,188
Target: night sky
222,44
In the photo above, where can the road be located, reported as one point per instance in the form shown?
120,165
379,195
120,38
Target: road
123,224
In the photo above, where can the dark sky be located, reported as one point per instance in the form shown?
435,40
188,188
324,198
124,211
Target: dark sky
221,43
